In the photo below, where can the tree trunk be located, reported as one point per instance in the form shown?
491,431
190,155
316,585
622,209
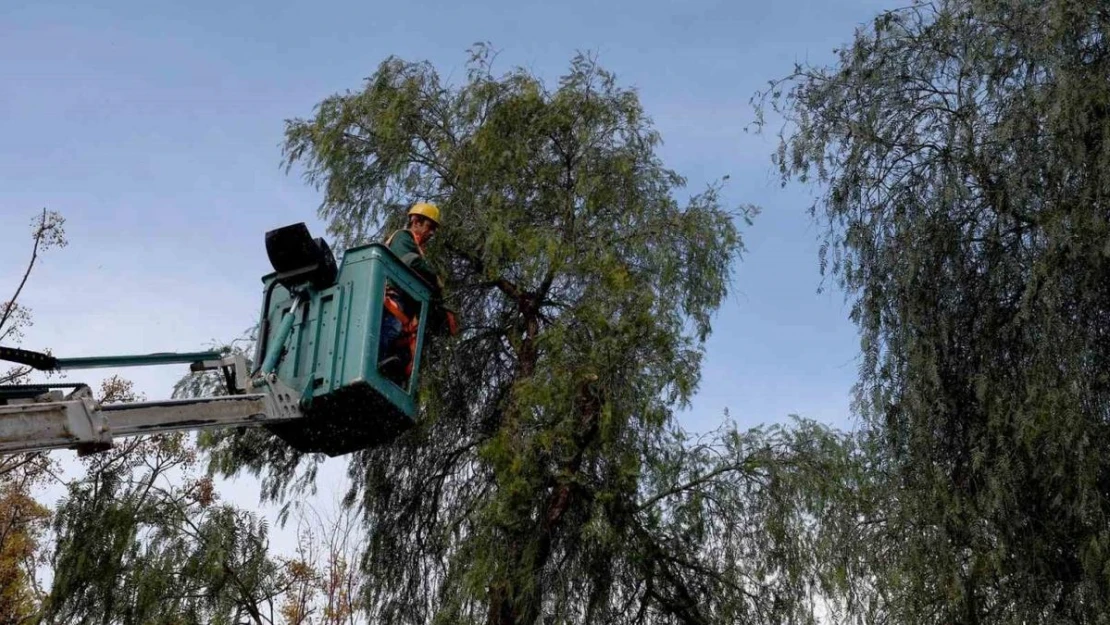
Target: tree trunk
511,604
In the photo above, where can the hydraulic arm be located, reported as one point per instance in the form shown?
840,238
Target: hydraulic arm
38,417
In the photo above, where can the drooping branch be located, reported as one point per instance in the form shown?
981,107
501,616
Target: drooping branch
702,479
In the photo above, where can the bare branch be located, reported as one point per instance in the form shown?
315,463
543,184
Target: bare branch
9,307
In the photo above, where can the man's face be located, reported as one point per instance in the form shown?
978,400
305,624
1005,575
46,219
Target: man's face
423,227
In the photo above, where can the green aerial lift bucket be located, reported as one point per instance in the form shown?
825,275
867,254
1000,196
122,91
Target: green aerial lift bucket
317,362
329,347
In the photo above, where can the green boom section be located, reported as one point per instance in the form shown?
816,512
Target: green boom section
330,354
139,360
46,362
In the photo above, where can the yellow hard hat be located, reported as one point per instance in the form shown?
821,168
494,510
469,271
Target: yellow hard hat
431,211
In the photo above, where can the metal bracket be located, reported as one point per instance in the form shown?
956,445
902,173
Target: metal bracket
282,401
91,427
234,369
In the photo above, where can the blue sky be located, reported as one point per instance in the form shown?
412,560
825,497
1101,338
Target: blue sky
154,128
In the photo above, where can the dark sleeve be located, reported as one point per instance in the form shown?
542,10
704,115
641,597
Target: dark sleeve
404,246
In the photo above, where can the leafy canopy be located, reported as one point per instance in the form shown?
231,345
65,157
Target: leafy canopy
961,149
546,475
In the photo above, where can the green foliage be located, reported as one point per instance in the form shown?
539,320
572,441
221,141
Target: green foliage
747,517
961,146
22,524
143,540
546,476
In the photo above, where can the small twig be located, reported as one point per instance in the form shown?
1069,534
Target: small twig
15,374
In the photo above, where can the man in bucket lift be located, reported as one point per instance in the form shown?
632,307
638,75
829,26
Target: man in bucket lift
398,332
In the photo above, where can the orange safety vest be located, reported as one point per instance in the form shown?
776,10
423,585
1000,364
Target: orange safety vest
409,325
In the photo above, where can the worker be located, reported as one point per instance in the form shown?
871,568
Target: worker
408,245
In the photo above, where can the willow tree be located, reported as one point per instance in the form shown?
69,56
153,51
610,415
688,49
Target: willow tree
960,147
141,536
546,476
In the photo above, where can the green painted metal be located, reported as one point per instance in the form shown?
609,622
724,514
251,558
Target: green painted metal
141,360
328,347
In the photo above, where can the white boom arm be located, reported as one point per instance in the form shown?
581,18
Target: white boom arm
79,422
